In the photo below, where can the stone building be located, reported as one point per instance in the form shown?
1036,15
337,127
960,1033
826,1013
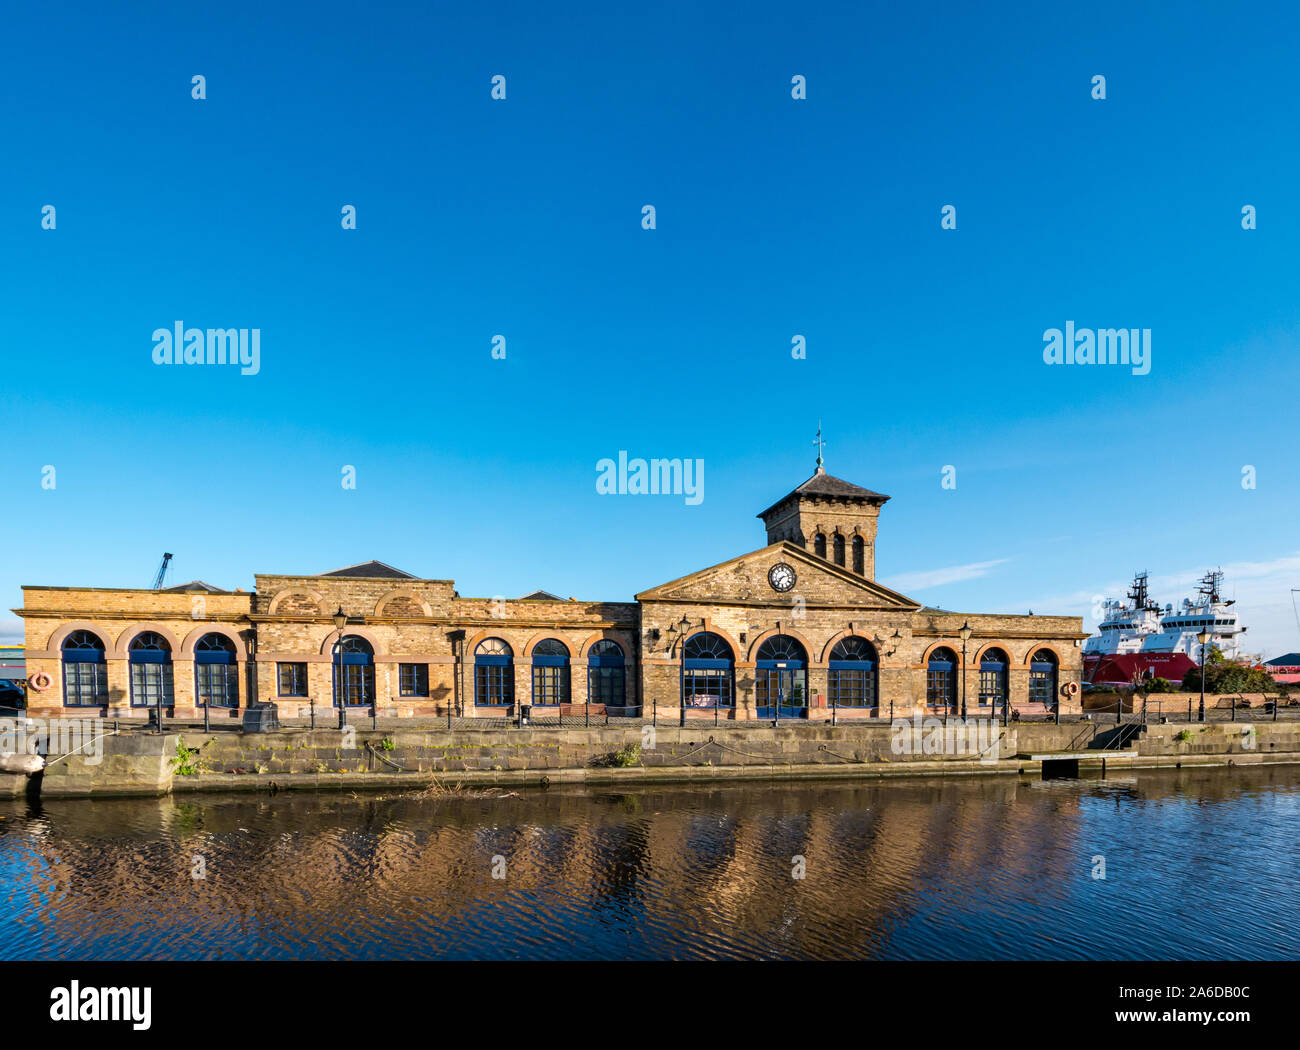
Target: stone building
794,629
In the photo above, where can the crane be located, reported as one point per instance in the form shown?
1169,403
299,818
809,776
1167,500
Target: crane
162,571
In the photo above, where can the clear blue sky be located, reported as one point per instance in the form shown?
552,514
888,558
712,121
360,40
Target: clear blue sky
775,217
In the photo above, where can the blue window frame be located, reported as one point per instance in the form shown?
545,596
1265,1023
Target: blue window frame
216,672
550,673
151,671
993,678
853,677
606,674
85,672
941,679
292,679
494,673
708,672
781,677
413,679
355,657
1042,677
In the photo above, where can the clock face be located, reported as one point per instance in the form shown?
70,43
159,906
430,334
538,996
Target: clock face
781,577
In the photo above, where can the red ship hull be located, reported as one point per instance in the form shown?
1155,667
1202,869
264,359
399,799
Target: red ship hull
1122,668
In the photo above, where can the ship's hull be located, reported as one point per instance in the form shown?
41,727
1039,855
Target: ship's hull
1122,668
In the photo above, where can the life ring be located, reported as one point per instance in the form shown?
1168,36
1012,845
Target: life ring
40,681
1070,688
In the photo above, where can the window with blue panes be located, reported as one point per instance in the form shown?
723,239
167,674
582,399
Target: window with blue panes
151,671
413,679
993,677
494,673
550,673
606,674
708,672
85,672
852,679
216,672
941,679
781,677
292,679
1042,677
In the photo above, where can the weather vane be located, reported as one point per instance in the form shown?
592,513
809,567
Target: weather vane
820,445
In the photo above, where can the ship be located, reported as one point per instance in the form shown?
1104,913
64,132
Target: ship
1137,639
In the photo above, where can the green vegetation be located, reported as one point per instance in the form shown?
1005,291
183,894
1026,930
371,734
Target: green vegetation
1158,685
387,744
1230,678
628,755
185,763
1183,736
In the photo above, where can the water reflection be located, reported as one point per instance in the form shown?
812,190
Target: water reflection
1199,864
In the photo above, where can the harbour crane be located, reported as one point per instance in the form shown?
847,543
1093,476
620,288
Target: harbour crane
162,571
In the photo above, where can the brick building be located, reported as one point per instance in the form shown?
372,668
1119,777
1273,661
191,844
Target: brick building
791,629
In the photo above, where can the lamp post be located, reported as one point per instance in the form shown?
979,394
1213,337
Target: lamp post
340,621
1203,637
965,632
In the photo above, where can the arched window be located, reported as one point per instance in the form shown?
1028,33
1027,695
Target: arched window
494,673
606,681
859,556
216,672
85,673
837,545
854,675
151,671
781,678
819,545
993,677
354,659
708,672
550,673
1042,677
941,679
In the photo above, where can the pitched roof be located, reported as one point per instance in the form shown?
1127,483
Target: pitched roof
196,585
541,596
371,570
1286,660
823,484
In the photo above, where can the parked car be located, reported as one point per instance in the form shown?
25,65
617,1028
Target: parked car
12,696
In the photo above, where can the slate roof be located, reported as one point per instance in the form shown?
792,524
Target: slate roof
196,585
823,484
1286,660
541,596
371,570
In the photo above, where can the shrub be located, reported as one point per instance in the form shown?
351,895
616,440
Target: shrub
1230,678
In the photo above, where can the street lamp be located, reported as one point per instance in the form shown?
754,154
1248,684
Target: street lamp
340,621
965,632
1203,637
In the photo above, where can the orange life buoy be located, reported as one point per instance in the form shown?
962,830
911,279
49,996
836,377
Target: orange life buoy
40,681
1070,688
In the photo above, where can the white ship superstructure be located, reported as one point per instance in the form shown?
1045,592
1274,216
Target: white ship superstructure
1206,611
1125,626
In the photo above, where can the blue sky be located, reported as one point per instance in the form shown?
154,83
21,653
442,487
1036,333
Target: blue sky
775,218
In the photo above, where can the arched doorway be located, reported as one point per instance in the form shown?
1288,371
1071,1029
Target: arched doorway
494,673
852,679
993,679
606,676
354,671
550,673
151,671
708,673
216,672
1043,673
85,672
781,679
941,680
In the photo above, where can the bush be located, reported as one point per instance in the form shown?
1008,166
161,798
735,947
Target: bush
1230,678
1158,685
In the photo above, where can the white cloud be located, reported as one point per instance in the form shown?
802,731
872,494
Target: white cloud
919,581
11,631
